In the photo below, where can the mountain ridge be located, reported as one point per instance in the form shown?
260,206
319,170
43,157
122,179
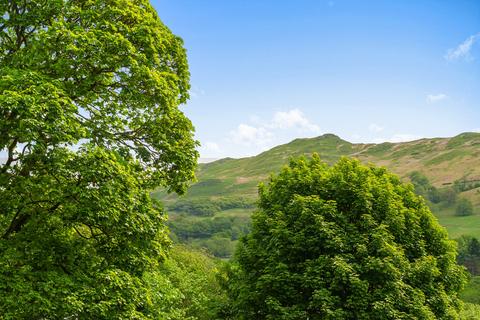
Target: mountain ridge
442,160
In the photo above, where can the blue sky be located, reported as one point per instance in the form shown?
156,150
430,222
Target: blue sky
265,72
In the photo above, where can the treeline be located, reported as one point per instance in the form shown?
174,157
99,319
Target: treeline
216,234
446,196
231,227
194,222
208,207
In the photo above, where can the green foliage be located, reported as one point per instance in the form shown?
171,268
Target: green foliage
464,207
470,292
470,311
462,185
197,207
448,196
208,207
469,254
424,188
89,120
215,234
186,286
343,242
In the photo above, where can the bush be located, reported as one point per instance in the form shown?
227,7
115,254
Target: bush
464,207
346,242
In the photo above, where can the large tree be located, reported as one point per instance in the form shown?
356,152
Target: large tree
343,242
89,123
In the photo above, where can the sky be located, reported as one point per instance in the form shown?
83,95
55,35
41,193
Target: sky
264,72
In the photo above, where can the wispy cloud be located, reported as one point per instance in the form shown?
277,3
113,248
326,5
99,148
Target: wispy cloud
292,119
261,133
375,128
210,149
433,98
462,51
248,135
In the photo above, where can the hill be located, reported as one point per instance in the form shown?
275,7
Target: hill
442,160
226,190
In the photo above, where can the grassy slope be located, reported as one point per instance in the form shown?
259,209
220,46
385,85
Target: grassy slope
442,160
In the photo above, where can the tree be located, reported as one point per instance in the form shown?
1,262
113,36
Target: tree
469,254
89,96
449,196
464,207
424,188
188,286
343,242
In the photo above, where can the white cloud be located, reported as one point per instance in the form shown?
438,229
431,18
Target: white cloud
433,98
292,119
375,128
260,134
209,149
463,49
248,135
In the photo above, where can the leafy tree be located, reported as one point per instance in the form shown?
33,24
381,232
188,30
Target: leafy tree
469,254
420,181
343,242
464,207
188,288
89,120
424,188
448,196
470,312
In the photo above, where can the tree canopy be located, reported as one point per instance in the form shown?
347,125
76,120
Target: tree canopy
343,242
89,123
464,207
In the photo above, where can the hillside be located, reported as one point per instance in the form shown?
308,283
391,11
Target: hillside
441,160
216,210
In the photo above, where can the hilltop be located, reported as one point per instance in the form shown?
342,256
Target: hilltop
442,160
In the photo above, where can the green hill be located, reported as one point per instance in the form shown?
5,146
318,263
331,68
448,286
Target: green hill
442,160
227,188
